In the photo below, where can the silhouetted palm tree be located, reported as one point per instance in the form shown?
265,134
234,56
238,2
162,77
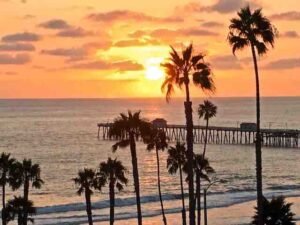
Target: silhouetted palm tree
207,110
113,173
128,128
275,212
6,163
175,162
254,30
202,169
25,173
158,141
86,181
179,71
21,208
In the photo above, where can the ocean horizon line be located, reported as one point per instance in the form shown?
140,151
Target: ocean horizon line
143,98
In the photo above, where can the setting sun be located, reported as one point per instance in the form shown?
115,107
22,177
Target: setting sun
153,69
154,73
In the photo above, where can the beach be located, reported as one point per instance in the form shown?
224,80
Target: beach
237,214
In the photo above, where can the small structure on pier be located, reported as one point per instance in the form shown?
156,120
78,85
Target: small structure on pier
283,138
159,122
248,126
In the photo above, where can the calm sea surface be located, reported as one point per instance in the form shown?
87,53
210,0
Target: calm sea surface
61,135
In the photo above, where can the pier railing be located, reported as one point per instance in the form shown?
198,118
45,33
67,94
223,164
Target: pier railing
284,138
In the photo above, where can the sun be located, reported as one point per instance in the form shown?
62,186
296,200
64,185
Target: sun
153,69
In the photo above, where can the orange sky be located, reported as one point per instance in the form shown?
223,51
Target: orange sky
99,49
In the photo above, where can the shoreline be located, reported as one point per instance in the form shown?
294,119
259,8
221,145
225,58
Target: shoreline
236,214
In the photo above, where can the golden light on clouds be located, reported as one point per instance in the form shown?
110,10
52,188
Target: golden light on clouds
115,49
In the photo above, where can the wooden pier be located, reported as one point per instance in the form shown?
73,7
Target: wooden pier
283,138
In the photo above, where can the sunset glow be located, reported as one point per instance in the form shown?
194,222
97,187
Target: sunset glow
67,49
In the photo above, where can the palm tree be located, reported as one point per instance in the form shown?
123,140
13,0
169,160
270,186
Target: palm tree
128,128
21,208
6,163
112,172
202,169
86,181
175,162
276,211
179,71
255,30
207,110
158,141
24,173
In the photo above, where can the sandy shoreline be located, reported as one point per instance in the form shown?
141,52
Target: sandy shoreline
238,214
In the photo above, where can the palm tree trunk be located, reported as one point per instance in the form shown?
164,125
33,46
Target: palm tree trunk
159,188
88,207
206,138
190,153
182,198
20,218
136,177
258,144
205,207
112,202
3,206
26,194
198,194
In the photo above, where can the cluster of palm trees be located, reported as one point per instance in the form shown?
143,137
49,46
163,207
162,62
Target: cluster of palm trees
111,173
129,128
18,174
250,29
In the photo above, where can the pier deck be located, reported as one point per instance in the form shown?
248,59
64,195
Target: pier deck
284,138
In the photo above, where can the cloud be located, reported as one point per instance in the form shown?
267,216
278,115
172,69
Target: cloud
71,53
9,73
282,64
291,15
19,59
228,6
136,42
17,47
165,34
78,53
74,32
212,24
24,37
221,6
127,15
225,62
120,66
290,34
56,24
28,17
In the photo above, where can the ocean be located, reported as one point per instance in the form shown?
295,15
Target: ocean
61,135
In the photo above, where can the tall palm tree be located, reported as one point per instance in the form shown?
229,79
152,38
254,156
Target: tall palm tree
128,128
254,30
112,172
86,182
21,208
26,173
175,162
158,141
207,110
6,163
179,71
276,211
